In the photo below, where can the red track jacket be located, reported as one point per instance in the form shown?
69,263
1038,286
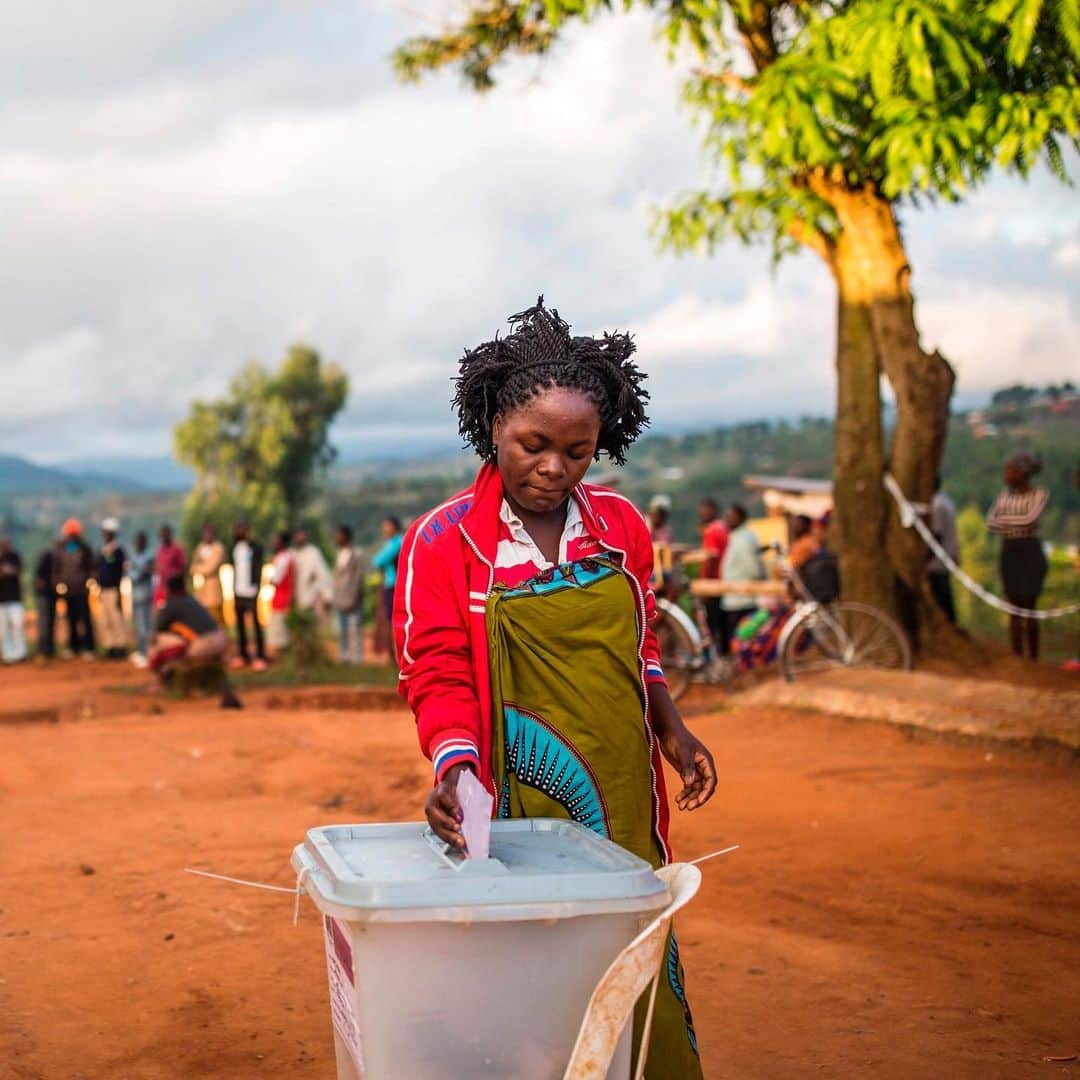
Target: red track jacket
445,576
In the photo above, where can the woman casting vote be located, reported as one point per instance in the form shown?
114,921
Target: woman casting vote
522,618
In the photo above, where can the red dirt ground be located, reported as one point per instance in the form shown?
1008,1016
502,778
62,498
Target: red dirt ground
907,907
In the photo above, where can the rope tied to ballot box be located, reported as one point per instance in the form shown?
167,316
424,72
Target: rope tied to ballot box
297,890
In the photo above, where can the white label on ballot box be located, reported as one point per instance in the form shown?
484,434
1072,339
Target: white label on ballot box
342,975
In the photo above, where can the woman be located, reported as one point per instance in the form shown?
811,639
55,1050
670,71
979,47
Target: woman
523,618
284,573
1015,516
206,566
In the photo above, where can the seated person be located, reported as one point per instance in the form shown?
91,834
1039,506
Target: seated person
805,543
186,635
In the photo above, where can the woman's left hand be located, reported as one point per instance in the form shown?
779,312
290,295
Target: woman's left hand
684,751
689,756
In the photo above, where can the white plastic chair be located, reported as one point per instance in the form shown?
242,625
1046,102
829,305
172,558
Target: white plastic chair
623,983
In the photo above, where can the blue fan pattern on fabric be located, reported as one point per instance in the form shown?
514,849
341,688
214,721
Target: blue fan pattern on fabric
677,988
538,757
576,575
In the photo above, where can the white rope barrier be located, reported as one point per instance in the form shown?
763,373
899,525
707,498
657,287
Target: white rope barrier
909,518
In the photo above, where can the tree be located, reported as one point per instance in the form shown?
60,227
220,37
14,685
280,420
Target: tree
1013,396
260,451
827,119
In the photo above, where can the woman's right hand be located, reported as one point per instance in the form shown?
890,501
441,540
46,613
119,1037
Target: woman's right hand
443,810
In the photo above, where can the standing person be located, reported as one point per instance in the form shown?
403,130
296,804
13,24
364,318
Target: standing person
526,604
385,561
169,562
1015,517
663,540
742,562
313,586
12,635
73,566
141,573
45,604
714,542
206,564
943,526
348,596
660,520
283,581
247,561
109,573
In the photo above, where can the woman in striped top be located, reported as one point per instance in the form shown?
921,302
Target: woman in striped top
1015,517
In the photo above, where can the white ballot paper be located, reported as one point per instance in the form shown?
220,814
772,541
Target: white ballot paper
475,803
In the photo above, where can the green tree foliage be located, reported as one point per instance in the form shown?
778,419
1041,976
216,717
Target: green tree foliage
908,98
260,452
822,119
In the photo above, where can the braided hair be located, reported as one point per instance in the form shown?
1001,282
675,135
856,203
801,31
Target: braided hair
539,353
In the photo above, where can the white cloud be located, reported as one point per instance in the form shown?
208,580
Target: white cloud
759,324
996,335
1067,255
186,186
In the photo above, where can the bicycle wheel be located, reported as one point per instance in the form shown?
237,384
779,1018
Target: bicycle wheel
846,634
677,653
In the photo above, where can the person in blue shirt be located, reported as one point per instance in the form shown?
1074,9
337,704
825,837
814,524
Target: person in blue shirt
386,560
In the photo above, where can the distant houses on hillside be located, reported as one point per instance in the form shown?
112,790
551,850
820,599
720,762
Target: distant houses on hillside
1019,405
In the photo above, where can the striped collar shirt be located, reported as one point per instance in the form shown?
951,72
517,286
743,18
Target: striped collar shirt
1015,514
517,557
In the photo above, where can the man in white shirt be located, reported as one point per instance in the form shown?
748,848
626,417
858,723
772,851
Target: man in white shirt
313,584
742,562
247,560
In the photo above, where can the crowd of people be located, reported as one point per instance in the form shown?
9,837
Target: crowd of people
177,607
729,550
299,577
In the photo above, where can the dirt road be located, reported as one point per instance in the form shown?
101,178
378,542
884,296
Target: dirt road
910,908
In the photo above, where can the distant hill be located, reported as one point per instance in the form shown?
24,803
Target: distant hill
19,476
138,473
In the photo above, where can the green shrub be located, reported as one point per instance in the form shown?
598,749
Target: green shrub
307,649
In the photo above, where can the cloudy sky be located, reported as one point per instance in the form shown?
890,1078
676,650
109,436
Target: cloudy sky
186,186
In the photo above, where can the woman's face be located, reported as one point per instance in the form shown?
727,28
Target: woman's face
1015,477
545,447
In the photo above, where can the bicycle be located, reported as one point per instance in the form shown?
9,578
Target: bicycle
817,635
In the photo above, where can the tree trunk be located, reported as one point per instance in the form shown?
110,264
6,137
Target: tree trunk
859,499
882,563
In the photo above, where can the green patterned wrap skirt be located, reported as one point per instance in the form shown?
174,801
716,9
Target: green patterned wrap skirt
570,738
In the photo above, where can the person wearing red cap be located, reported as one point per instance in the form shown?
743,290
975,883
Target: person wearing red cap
73,566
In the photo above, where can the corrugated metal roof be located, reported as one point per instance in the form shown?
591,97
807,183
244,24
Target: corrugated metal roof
790,485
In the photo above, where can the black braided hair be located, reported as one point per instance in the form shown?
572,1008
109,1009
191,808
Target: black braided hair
539,353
